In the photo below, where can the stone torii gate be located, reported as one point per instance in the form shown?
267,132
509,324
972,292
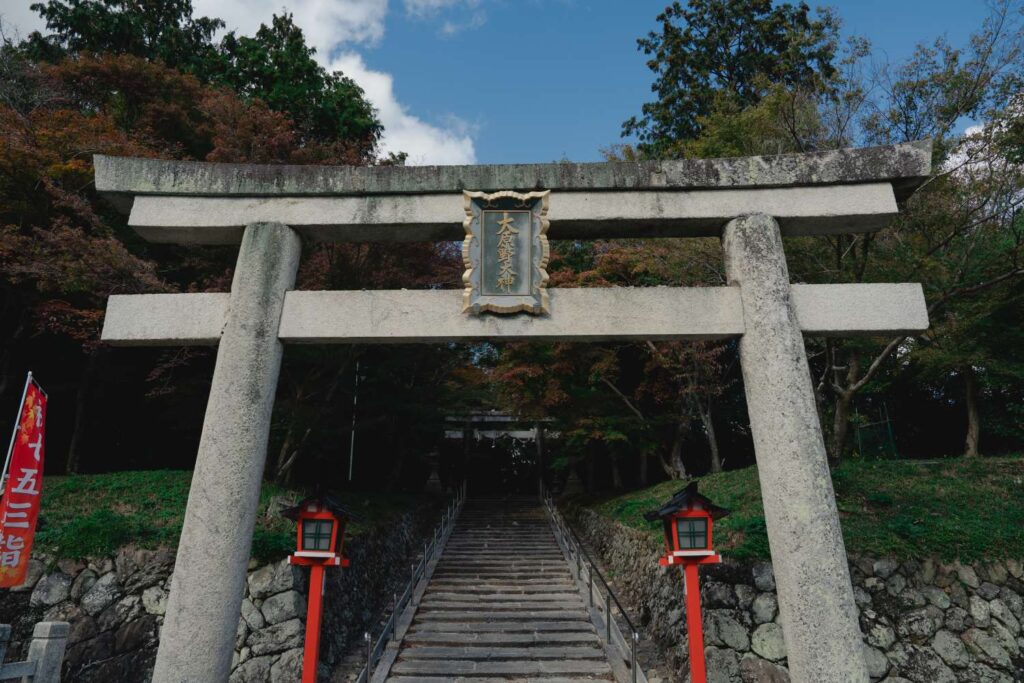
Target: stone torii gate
751,203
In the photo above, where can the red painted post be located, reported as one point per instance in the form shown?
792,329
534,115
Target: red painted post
311,655
694,625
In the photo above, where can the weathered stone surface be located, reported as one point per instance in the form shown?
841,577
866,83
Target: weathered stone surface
936,596
252,615
757,670
895,584
274,578
36,570
873,584
154,600
127,608
277,638
204,604
876,662
809,557
885,567
119,178
979,673
881,635
103,592
283,606
136,633
82,583
718,594
287,669
50,590
139,568
768,642
241,634
980,612
1013,601
722,628
950,648
764,608
986,648
920,664
910,598
723,665
988,590
967,575
1015,568
916,626
254,670
957,619
1001,612
745,596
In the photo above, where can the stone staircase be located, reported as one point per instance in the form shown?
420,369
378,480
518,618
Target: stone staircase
501,606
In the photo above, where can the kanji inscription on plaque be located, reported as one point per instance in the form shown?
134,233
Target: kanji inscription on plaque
505,252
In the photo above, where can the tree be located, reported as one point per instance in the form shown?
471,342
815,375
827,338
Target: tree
716,50
275,66
159,30
278,67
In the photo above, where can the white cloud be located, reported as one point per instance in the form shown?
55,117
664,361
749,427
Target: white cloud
427,8
425,143
326,23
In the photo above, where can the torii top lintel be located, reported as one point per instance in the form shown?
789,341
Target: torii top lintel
850,190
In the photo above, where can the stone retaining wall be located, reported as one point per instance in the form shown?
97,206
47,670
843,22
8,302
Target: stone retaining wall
116,605
924,621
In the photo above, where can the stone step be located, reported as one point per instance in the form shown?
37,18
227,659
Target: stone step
497,608
494,679
523,667
495,597
492,653
518,615
504,626
524,638
468,584
501,605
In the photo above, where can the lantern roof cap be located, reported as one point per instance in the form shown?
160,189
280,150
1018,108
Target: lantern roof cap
682,500
325,501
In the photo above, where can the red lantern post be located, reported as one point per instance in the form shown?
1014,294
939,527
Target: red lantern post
688,518
320,537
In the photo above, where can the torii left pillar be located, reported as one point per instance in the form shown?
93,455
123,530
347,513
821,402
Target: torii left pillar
198,636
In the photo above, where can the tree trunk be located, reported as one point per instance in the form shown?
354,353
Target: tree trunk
643,473
74,461
840,428
709,432
841,416
674,467
616,474
973,416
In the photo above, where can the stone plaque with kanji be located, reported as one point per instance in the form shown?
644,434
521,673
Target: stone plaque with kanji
505,252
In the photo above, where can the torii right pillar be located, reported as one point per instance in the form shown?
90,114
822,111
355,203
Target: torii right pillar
819,616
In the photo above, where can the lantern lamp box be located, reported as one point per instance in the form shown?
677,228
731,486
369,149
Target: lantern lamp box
688,519
506,252
320,532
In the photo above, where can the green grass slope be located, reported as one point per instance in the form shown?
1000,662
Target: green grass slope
954,509
94,515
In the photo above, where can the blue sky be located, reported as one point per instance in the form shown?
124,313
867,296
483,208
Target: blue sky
509,81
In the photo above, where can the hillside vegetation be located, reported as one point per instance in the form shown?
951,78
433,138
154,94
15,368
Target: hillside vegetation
965,508
92,515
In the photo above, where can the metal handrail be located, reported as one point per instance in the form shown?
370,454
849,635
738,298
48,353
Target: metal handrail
389,629
573,548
